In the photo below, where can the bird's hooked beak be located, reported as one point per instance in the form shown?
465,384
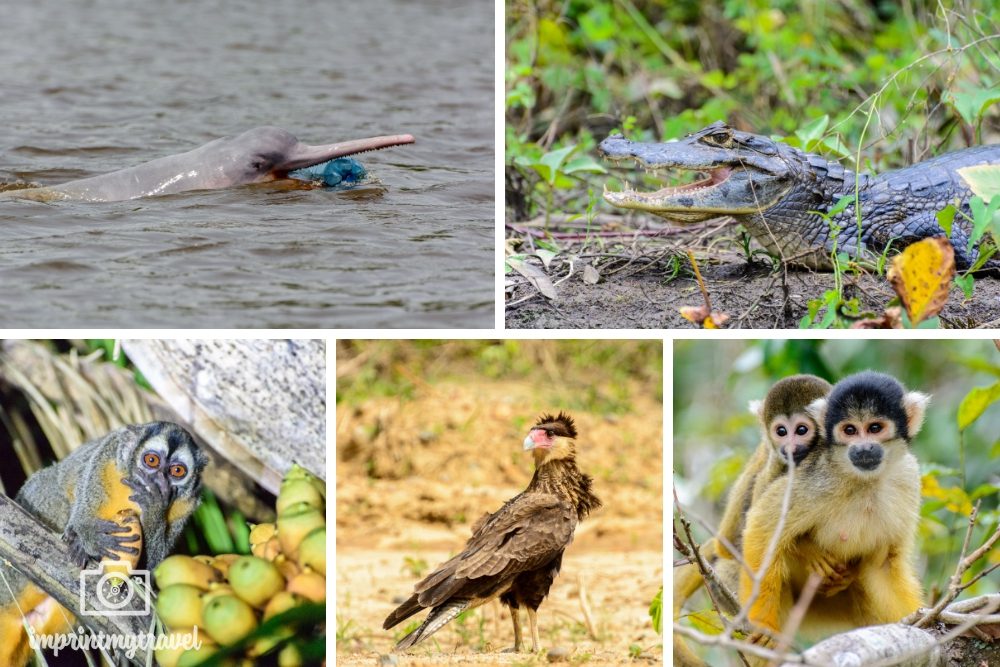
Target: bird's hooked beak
536,438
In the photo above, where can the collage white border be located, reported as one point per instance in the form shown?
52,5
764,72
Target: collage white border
499,331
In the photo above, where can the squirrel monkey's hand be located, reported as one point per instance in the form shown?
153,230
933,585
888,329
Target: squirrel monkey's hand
836,575
101,540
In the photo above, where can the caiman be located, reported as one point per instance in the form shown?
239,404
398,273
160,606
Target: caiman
777,191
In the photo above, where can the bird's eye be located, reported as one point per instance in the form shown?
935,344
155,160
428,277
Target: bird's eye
801,429
151,459
781,431
850,429
549,432
875,428
178,470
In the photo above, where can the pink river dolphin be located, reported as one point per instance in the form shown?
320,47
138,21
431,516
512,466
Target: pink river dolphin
256,156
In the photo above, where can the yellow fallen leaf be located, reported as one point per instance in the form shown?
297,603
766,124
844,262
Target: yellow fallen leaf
921,275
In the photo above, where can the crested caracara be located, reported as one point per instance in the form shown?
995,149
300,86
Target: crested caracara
514,553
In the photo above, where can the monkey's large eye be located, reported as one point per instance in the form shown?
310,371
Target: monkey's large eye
801,429
851,429
178,470
151,459
781,431
875,428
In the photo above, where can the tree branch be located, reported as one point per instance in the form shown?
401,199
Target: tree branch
42,557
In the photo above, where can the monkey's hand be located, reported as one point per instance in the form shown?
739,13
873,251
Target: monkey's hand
99,540
836,575
149,497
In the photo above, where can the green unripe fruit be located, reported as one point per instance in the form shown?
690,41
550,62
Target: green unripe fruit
255,580
228,619
179,606
312,551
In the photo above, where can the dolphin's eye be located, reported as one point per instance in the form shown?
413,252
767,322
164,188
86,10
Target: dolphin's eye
258,165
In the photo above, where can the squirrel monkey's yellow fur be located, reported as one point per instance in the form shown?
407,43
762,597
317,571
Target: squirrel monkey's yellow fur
123,497
857,499
787,429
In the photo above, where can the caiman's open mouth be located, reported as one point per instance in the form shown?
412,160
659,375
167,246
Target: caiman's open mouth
711,178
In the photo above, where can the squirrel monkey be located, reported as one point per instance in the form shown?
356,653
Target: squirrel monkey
123,497
857,500
787,429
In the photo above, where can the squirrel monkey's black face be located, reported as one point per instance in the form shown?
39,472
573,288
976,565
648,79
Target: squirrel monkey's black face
784,418
870,418
164,456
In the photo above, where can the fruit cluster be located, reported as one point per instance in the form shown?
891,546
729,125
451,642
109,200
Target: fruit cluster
228,596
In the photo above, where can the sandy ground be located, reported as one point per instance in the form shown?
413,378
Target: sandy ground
647,295
617,586
414,475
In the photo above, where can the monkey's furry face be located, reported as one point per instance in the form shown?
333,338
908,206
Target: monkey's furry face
869,419
794,434
165,456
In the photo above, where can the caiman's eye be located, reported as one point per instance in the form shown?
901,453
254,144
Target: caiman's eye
722,138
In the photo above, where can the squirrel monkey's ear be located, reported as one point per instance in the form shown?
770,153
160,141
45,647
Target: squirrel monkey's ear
915,405
757,410
817,410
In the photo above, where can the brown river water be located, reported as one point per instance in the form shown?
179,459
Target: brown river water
91,86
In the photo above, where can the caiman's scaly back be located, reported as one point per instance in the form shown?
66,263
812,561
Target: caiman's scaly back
775,191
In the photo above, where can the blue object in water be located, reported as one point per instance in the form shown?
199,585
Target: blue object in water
341,172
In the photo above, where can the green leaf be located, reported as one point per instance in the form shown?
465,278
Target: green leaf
972,104
811,133
975,403
967,283
841,205
656,611
945,217
555,159
584,164
832,299
836,146
548,245
983,179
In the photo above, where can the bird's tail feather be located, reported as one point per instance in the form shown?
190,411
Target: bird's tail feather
402,612
436,620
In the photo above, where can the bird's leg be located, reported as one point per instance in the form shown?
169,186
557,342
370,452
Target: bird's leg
534,630
515,618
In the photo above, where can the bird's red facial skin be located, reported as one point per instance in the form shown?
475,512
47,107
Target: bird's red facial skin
541,438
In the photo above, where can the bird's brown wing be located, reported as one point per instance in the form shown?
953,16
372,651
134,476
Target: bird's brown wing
523,535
